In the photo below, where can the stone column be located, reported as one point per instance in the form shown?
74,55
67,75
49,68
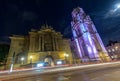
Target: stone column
40,43
30,45
53,43
43,42
32,41
37,42
56,44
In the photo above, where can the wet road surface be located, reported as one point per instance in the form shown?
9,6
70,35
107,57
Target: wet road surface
103,73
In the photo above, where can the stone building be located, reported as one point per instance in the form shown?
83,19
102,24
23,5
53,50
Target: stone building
113,49
87,42
40,45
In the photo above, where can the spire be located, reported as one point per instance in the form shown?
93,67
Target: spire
46,25
78,14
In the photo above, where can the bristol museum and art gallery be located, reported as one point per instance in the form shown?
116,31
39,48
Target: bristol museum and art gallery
43,45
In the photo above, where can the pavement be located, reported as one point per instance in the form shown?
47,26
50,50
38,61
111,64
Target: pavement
93,72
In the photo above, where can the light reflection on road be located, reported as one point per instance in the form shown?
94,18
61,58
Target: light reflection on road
99,73
106,74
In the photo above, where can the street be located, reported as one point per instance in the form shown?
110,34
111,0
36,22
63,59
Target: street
94,72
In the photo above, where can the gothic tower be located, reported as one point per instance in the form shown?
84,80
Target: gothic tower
88,43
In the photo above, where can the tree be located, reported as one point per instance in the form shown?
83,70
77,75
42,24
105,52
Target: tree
4,48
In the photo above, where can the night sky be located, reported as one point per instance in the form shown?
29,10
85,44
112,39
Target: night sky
19,16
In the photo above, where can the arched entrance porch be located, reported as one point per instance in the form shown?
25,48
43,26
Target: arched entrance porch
49,59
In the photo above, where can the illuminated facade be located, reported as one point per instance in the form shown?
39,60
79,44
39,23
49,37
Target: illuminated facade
40,45
88,44
114,50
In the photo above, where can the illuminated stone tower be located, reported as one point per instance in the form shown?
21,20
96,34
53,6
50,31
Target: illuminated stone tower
88,43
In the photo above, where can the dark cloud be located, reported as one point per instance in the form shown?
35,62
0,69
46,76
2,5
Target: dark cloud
29,16
108,27
19,16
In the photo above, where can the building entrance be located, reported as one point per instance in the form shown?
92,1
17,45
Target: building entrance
49,59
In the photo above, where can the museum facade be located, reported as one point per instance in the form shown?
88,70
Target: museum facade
44,45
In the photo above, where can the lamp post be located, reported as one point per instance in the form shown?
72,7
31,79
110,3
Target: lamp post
22,60
31,59
66,57
12,62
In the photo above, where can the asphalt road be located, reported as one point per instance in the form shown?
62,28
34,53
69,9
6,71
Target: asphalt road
106,72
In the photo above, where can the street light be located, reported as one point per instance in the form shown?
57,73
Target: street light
66,56
22,60
116,48
31,59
